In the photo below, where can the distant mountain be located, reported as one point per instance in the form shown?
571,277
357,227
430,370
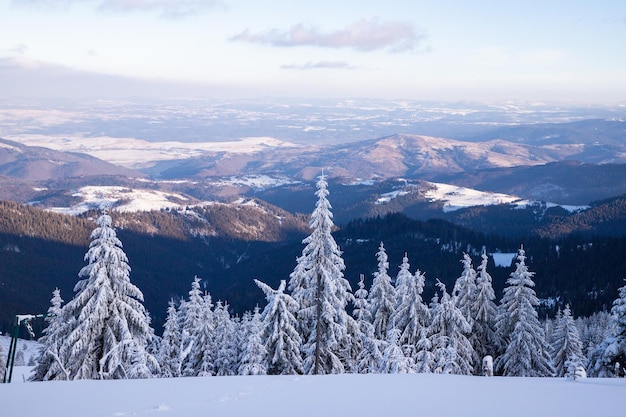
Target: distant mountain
566,182
393,156
31,163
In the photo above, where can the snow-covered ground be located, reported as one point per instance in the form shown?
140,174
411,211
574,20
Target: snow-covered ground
460,197
138,153
303,396
330,395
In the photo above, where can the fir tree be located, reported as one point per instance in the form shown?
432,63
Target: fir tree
254,354
464,291
279,331
382,297
527,352
323,293
169,350
612,350
484,312
410,313
226,358
193,316
452,351
111,328
394,360
566,344
49,364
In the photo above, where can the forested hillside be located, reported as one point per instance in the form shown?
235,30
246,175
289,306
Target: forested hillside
229,247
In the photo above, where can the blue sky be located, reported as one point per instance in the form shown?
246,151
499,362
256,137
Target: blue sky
547,50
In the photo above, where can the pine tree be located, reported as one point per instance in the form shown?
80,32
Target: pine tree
323,293
226,358
193,316
394,360
382,297
254,353
207,339
449,330
279,331
566,346
410,313
361,311
484,312
111,329
612,350
49,364
169,350
464,291
527,353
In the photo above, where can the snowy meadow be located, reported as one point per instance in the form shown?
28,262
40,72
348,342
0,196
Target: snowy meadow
327,395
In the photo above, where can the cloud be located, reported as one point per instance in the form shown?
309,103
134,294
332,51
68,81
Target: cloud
317,65
19,49
363,35
170,9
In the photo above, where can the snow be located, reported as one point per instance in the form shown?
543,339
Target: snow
456,197
133,199
503,259
312,396
137,153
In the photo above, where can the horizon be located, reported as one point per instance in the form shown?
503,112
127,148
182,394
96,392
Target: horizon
236,49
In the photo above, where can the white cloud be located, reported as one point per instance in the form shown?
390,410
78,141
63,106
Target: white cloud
319,65
363,35
170,9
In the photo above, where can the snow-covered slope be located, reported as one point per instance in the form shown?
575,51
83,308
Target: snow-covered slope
330,395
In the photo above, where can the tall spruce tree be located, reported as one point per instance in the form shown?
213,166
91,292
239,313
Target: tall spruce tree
527,353
323,293
111,329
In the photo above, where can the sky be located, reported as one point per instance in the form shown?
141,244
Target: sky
555,50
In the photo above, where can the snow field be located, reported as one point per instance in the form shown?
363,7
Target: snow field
329,395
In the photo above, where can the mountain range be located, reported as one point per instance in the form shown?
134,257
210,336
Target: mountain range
230,212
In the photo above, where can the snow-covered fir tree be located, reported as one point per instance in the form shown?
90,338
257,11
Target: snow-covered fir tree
207,338
424,359
449,330
566,344
169,349
279,331
49,365
253,351
111,328
612,350
319,286
193,316
382,296
464,291
527,353
369,359
410,313
484,312
394,361
226,357
361,311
